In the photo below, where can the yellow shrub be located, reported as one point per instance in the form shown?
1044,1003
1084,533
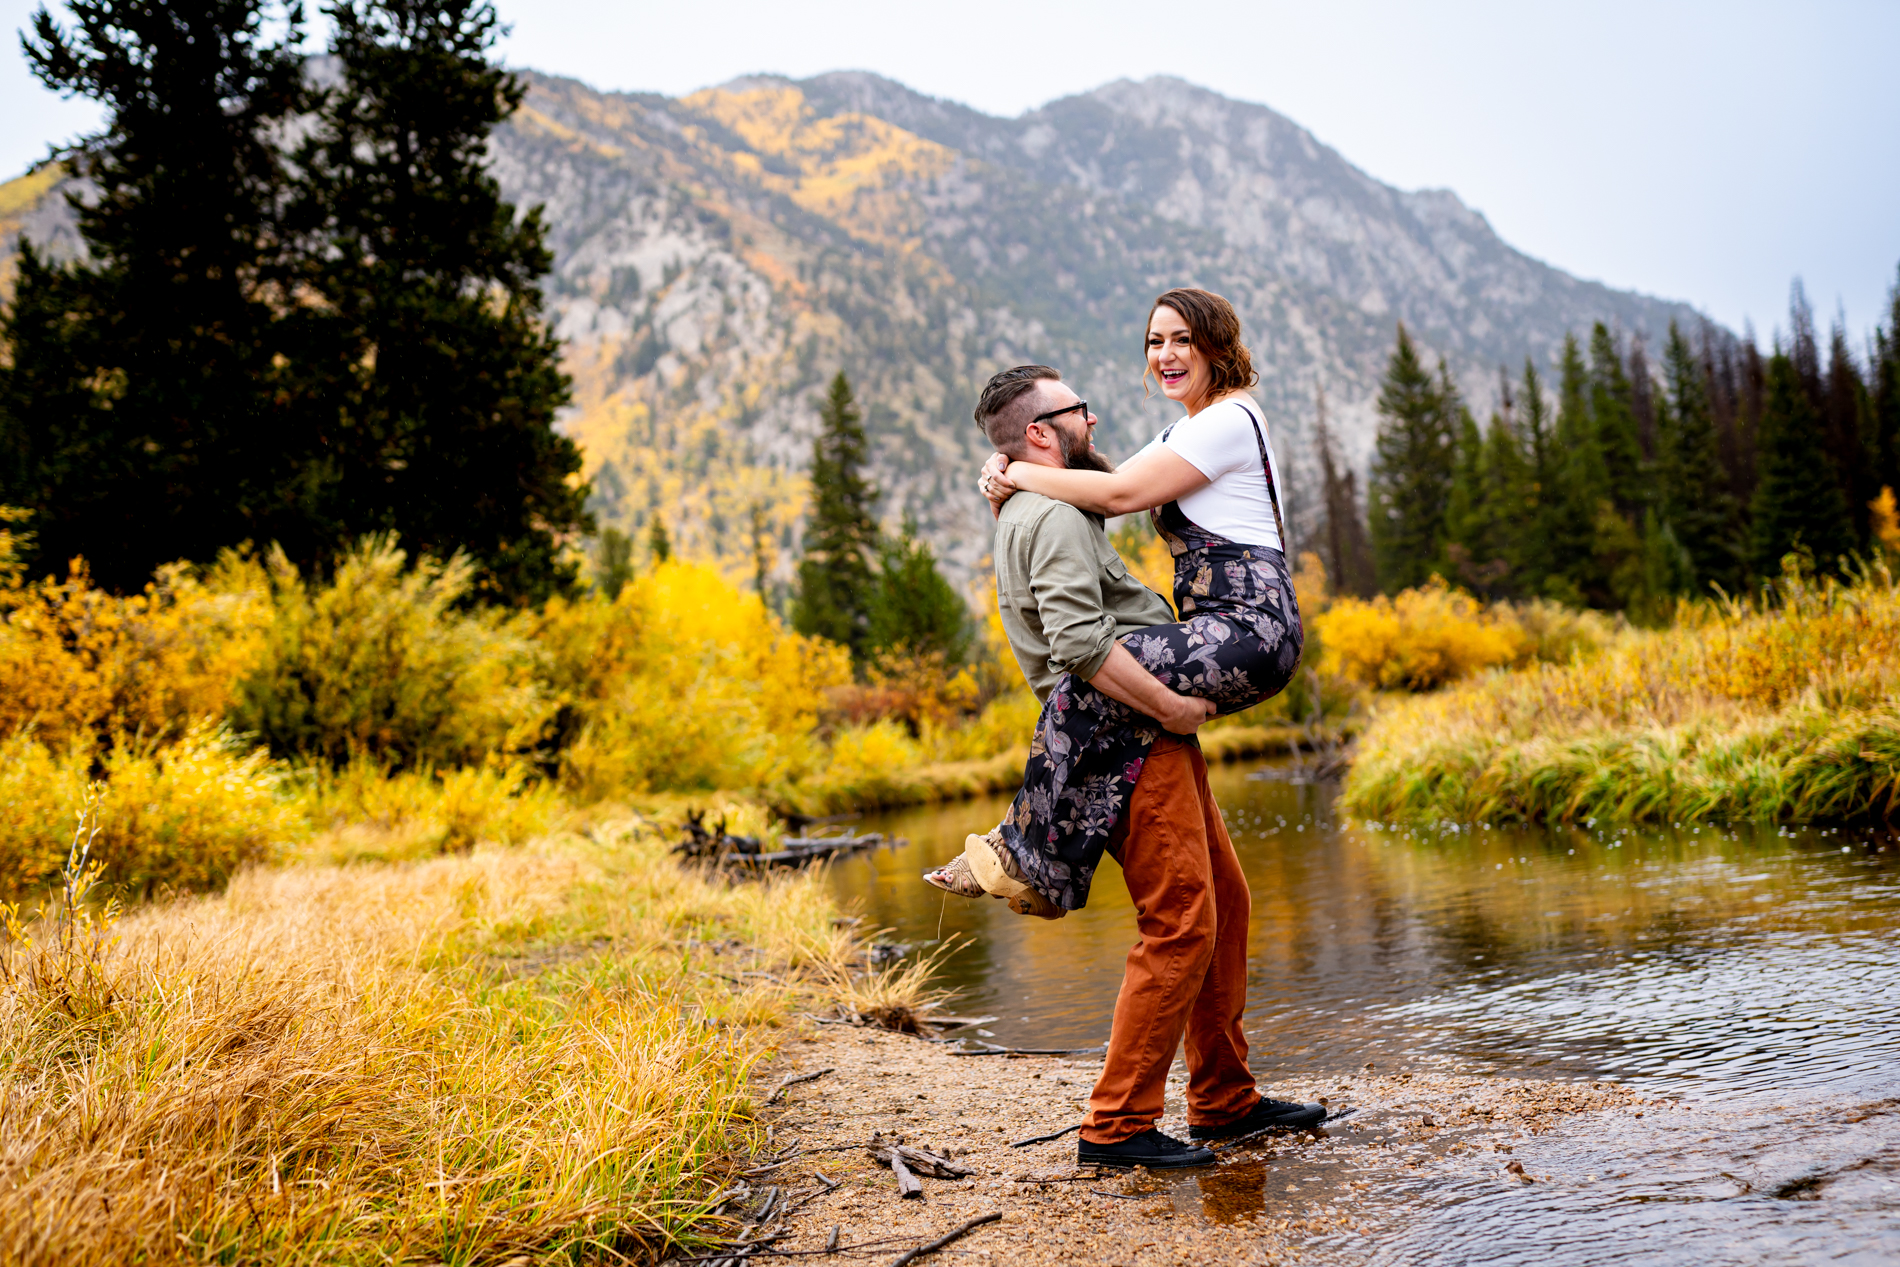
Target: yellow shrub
185,814
1886,521
383,662
1004,723
364,811
1419,641
78,664
686,682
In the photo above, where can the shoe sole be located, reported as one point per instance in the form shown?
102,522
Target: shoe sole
1198,1137
933,882
1154,1163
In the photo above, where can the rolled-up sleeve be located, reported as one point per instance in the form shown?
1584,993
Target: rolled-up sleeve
1066,578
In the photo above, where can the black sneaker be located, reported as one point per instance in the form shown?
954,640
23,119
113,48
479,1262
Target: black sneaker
1150,1148
1264,1116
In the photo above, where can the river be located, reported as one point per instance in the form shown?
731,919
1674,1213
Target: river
1751,972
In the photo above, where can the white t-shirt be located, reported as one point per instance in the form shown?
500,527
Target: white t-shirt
1219,443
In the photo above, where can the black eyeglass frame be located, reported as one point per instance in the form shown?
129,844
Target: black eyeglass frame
1083,405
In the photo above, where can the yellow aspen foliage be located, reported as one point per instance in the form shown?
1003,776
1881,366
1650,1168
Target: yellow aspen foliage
78,665
186,814
1417,641
1886,522
686,682
385,661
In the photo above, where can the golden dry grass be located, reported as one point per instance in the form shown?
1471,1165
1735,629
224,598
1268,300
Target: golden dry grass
541,1051
1785,710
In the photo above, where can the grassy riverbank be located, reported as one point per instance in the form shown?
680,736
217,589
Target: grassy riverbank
1787,709
539,1052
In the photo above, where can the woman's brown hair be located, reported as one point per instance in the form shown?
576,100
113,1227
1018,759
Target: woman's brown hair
1215,328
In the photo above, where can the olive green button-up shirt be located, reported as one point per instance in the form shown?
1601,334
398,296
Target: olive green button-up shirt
1065,595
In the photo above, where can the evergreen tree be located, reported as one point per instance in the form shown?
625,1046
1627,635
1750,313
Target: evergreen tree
659,544
1343,534
1412,470
292,347
445,432
1473,514
613,562
1666,571
761,553
834,578
1583,488
1751,379
1847,418
1884,404
1613,417
141,413
1538,557
1511,506
913,610
1695,497
1798,502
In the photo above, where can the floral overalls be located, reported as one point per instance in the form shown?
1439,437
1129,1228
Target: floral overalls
1238,643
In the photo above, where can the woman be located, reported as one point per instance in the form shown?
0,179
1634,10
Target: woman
1211,483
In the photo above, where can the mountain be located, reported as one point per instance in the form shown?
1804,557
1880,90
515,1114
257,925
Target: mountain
718,257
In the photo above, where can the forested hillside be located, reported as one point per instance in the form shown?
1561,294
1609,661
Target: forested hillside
717,258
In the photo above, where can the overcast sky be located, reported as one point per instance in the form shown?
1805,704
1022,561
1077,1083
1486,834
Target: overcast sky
1701,151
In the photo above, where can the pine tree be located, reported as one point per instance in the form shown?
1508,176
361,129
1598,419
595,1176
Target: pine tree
140,412
1798,502
834,578
293,347
1511,507
446,433
1471,559
1541,485
1884,403
1613,416
1847,418
1412,471
761,552
1666,570
659,543
1695,497
1583,489
613,562
1343,534
914,611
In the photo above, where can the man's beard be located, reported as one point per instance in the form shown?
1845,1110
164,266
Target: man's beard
1078,454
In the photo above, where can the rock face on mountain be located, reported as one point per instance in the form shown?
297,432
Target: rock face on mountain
719,257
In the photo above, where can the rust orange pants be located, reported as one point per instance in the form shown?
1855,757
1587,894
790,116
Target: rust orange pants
1188,973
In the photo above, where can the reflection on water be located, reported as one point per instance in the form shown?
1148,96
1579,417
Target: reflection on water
1755,970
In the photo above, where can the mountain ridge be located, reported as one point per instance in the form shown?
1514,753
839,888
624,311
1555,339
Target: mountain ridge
717,257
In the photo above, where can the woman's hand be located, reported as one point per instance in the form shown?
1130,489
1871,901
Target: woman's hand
994,482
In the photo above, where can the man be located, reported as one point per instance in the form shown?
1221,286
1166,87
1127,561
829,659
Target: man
1066,599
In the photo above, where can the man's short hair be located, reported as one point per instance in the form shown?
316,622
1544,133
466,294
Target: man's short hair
1007,404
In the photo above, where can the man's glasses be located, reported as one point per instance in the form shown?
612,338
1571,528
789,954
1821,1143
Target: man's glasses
1081,405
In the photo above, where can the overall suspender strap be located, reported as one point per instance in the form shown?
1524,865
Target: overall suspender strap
1273,494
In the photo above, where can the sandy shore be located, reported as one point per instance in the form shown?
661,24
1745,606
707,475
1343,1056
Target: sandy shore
1327,1196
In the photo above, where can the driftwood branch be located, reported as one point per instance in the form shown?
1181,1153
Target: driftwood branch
1044,1139
911,1256
792,1082
920,1160
908,1188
